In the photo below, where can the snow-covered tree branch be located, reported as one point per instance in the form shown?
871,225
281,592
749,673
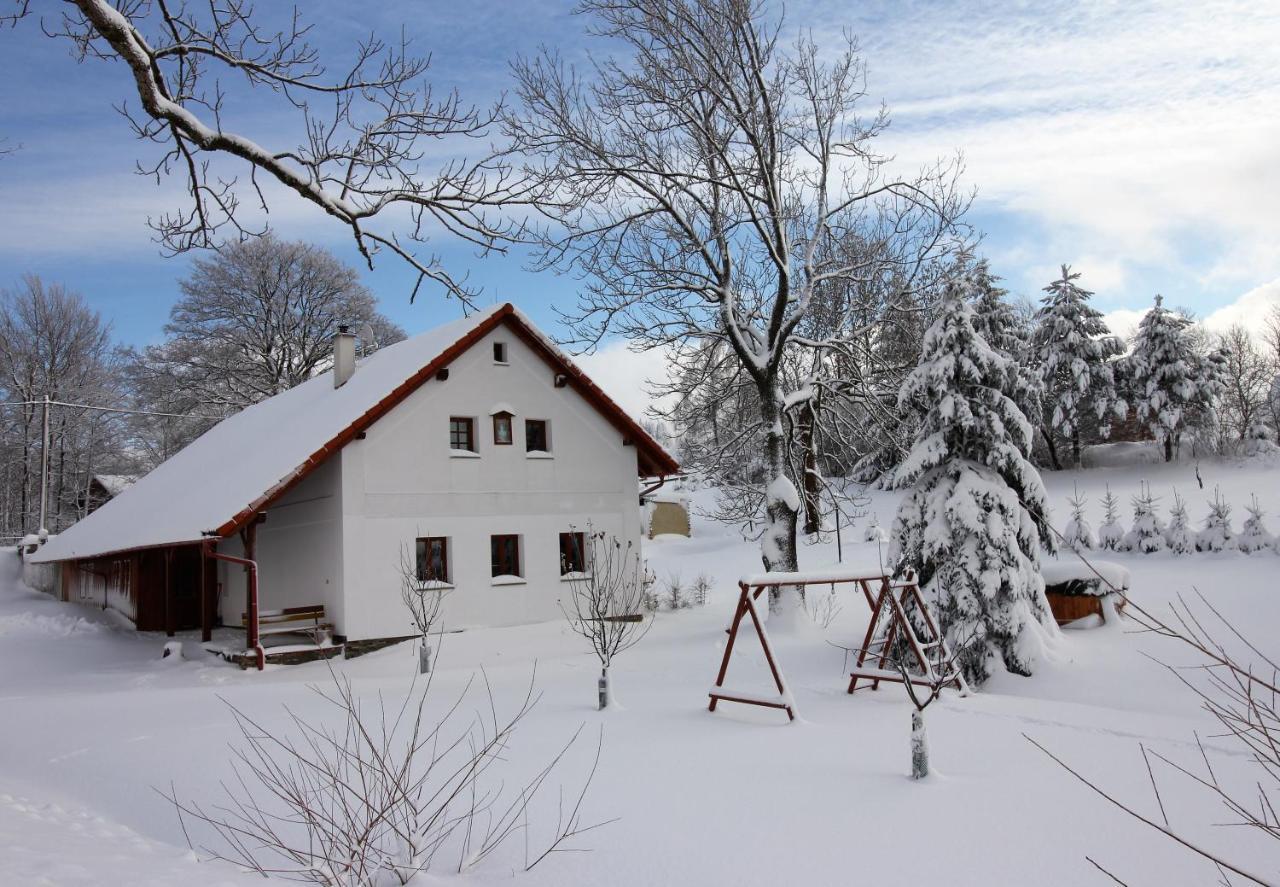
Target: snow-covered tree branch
359,149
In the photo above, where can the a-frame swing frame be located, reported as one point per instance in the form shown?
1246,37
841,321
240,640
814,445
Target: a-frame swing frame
889,622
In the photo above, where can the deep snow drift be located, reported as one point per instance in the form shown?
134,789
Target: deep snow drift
95,722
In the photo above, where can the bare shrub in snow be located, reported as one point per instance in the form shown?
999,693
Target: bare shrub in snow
946,665
1236,684
1111,534
1078,535
973,524
1179,536
1254,535
1147,534
673,594
699,590
607,604
1217,535
423,594
823,608
379,797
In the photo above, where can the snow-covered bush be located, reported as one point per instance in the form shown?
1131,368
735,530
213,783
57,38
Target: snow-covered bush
971,526
1147,533
1079,534
1217,534
1253,534
874,532
1111,534
1178,535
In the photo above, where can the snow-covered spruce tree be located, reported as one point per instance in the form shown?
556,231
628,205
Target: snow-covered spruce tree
1111,534
1178,536
1216,534
973,523
996,321
1147,534
1079,534
1074,349
1254,535
1167,378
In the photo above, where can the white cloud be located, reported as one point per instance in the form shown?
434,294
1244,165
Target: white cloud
1252,309
1138,134
625,374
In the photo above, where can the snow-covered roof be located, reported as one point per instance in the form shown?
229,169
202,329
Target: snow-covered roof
236,467
115,484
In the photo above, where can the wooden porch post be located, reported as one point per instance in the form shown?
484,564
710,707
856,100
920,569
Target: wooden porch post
170,617
206,614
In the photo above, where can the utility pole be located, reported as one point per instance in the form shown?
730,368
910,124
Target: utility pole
44,470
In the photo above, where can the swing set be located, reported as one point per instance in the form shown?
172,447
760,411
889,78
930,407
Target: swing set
893,605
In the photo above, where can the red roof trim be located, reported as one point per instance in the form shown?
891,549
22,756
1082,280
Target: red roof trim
652,457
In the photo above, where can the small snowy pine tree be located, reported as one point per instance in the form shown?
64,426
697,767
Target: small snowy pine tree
1074,349
1111,534
971,526
1167,377
1217,534
1253,534
1178,536
1147,533
1079,535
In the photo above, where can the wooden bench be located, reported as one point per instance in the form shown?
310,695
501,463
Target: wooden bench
292,620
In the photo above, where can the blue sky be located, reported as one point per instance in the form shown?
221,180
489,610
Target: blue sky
1139,142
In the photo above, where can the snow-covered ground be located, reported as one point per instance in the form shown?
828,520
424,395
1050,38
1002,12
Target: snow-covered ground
95,723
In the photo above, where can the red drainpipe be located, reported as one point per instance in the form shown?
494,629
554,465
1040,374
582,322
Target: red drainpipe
251,629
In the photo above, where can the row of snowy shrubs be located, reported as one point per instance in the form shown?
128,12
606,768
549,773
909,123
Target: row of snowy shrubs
1150,534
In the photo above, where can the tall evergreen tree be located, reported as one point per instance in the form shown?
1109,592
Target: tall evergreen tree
1074,349
996,321
973,524
1171,384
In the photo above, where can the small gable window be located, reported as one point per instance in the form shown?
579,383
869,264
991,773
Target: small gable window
462,433
502,429
536,438
499,352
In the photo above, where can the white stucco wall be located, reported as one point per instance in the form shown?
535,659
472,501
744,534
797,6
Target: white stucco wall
299,551
402,482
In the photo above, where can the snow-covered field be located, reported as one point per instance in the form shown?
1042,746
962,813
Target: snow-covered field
95,723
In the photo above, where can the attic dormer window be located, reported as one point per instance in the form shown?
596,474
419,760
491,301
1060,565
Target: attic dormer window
499,352
502,429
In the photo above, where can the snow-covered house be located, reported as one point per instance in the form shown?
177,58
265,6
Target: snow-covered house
477,450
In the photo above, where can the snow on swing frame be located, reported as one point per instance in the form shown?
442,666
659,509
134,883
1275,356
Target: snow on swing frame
893,595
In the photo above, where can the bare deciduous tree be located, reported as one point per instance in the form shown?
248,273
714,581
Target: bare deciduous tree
52,343
255,319
380,795
700,187
606,604
362,139
1247,376
423,594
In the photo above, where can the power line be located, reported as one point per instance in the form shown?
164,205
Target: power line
89,406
